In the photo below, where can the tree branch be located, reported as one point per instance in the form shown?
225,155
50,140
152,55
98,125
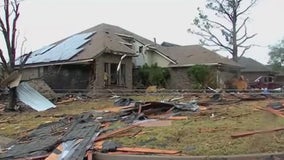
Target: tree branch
221,25
24,61
224,10
244,51
211,37
245,35
247,8
242,25
4,62
247,38
14,31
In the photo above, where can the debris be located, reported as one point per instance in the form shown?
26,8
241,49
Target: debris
64,150
276,105
240,83
113,133
177,118
175,99
12,79
109,146
139,150
151,89
66,101
244,134
123,101
153,123
31,97
74,135
43,88
16,82
190,106
147,150
273,111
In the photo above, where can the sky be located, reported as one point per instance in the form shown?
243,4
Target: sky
43,22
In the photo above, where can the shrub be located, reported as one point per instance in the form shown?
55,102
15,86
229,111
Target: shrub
202,76
153,75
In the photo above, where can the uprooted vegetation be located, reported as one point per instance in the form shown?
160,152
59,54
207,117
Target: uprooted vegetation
206,132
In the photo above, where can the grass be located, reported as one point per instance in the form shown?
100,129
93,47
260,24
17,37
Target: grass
199,135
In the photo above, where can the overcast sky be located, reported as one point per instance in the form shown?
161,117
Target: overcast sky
45,21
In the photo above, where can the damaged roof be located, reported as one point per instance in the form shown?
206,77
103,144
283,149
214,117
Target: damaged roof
196,54
85,45
106,38
115,40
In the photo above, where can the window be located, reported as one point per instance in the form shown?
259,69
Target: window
112,76
140,49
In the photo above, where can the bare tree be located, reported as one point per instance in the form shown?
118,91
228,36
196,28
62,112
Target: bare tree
8,27
227,28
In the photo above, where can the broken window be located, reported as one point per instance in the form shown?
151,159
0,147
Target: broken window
112,76
140,49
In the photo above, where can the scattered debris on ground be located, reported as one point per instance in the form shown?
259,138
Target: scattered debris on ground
78,136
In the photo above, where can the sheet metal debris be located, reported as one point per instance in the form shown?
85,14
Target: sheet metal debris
31,97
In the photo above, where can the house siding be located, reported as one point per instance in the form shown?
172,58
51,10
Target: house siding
32,73
151,57
156,58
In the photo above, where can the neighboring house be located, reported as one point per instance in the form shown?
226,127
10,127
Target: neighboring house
254,69
187,56
105,56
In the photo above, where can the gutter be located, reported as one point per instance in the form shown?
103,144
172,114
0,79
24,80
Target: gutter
207,64
55,63
190,65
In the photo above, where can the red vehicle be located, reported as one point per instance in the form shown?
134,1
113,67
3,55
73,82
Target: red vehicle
263,82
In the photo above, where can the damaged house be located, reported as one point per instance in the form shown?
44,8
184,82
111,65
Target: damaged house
105,56
186,56
94,58
254,69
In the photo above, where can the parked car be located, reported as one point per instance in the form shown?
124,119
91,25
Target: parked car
265,82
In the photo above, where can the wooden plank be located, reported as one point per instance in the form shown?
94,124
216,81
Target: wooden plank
156,123
273,111
111,134
178,118
66,101
244,134
140,150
